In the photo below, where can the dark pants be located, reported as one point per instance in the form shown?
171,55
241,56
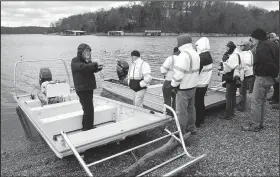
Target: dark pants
169,96
230,98
275,96
87,105
246,84
199,105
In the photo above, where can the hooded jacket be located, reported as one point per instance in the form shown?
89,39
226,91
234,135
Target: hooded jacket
167,67
266,62
206,61
186,68
83,72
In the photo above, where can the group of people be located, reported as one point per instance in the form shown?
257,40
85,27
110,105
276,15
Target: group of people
253,66
187,73
250,66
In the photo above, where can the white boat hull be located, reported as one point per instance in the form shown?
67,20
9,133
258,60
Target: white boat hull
114,121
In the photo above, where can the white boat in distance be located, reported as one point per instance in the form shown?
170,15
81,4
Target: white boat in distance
60,123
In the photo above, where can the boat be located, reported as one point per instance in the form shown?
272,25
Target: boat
59,123
153,99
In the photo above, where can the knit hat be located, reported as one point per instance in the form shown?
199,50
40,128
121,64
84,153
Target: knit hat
259,34
135,53
184,39
230,44
81,49
175,50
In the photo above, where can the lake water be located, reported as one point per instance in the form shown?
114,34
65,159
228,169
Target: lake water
16,146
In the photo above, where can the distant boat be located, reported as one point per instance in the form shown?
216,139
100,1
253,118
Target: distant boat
152,33
115,33
73,33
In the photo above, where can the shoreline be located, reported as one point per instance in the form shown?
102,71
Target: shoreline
162,34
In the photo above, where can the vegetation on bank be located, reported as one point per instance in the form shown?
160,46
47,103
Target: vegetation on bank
170,17
24,30
176,17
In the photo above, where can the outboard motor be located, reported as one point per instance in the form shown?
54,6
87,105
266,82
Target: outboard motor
45,75
122,69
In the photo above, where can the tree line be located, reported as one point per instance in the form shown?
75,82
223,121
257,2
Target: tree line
167,16
176,16
24,30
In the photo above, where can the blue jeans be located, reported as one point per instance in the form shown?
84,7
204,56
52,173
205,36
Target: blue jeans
261,88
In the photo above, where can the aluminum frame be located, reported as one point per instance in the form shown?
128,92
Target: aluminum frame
173,172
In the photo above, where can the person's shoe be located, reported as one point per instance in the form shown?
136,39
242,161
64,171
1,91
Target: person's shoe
193,133
273,102
241,109
275,106
270,99
86,129
249,127
226,117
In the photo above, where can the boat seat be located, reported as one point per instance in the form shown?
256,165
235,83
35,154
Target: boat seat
51,109
73,120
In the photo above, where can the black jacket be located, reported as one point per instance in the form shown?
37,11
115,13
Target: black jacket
266,62
205,59
83,73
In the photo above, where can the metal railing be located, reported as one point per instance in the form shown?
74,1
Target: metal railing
180,140
34,61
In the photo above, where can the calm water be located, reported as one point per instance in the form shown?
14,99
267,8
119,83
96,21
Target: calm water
105,49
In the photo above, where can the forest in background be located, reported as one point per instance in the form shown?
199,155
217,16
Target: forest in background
176,17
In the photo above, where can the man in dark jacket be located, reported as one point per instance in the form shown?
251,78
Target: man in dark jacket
275,97
266,69
83,70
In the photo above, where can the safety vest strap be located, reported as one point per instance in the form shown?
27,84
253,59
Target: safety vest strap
172,62
140,74
191,65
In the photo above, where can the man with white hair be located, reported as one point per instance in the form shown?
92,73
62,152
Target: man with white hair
247,60
184,82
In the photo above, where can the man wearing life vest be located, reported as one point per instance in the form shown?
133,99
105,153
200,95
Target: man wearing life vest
139,76
184,82
205,72
167,70
247,61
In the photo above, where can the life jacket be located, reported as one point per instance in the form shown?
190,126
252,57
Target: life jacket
134,81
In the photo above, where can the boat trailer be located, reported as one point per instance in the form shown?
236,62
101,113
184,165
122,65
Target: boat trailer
169,134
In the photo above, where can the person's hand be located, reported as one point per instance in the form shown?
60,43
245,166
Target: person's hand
99,67
174,90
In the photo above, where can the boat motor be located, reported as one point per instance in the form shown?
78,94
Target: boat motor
122,69
44,75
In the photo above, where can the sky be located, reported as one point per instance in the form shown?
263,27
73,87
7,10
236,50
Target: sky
36,13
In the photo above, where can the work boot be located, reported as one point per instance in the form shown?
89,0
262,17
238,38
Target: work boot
250,127
275,106
274,101
226,117
240,108
270,99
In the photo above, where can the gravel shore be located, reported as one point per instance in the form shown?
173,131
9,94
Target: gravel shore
230,152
